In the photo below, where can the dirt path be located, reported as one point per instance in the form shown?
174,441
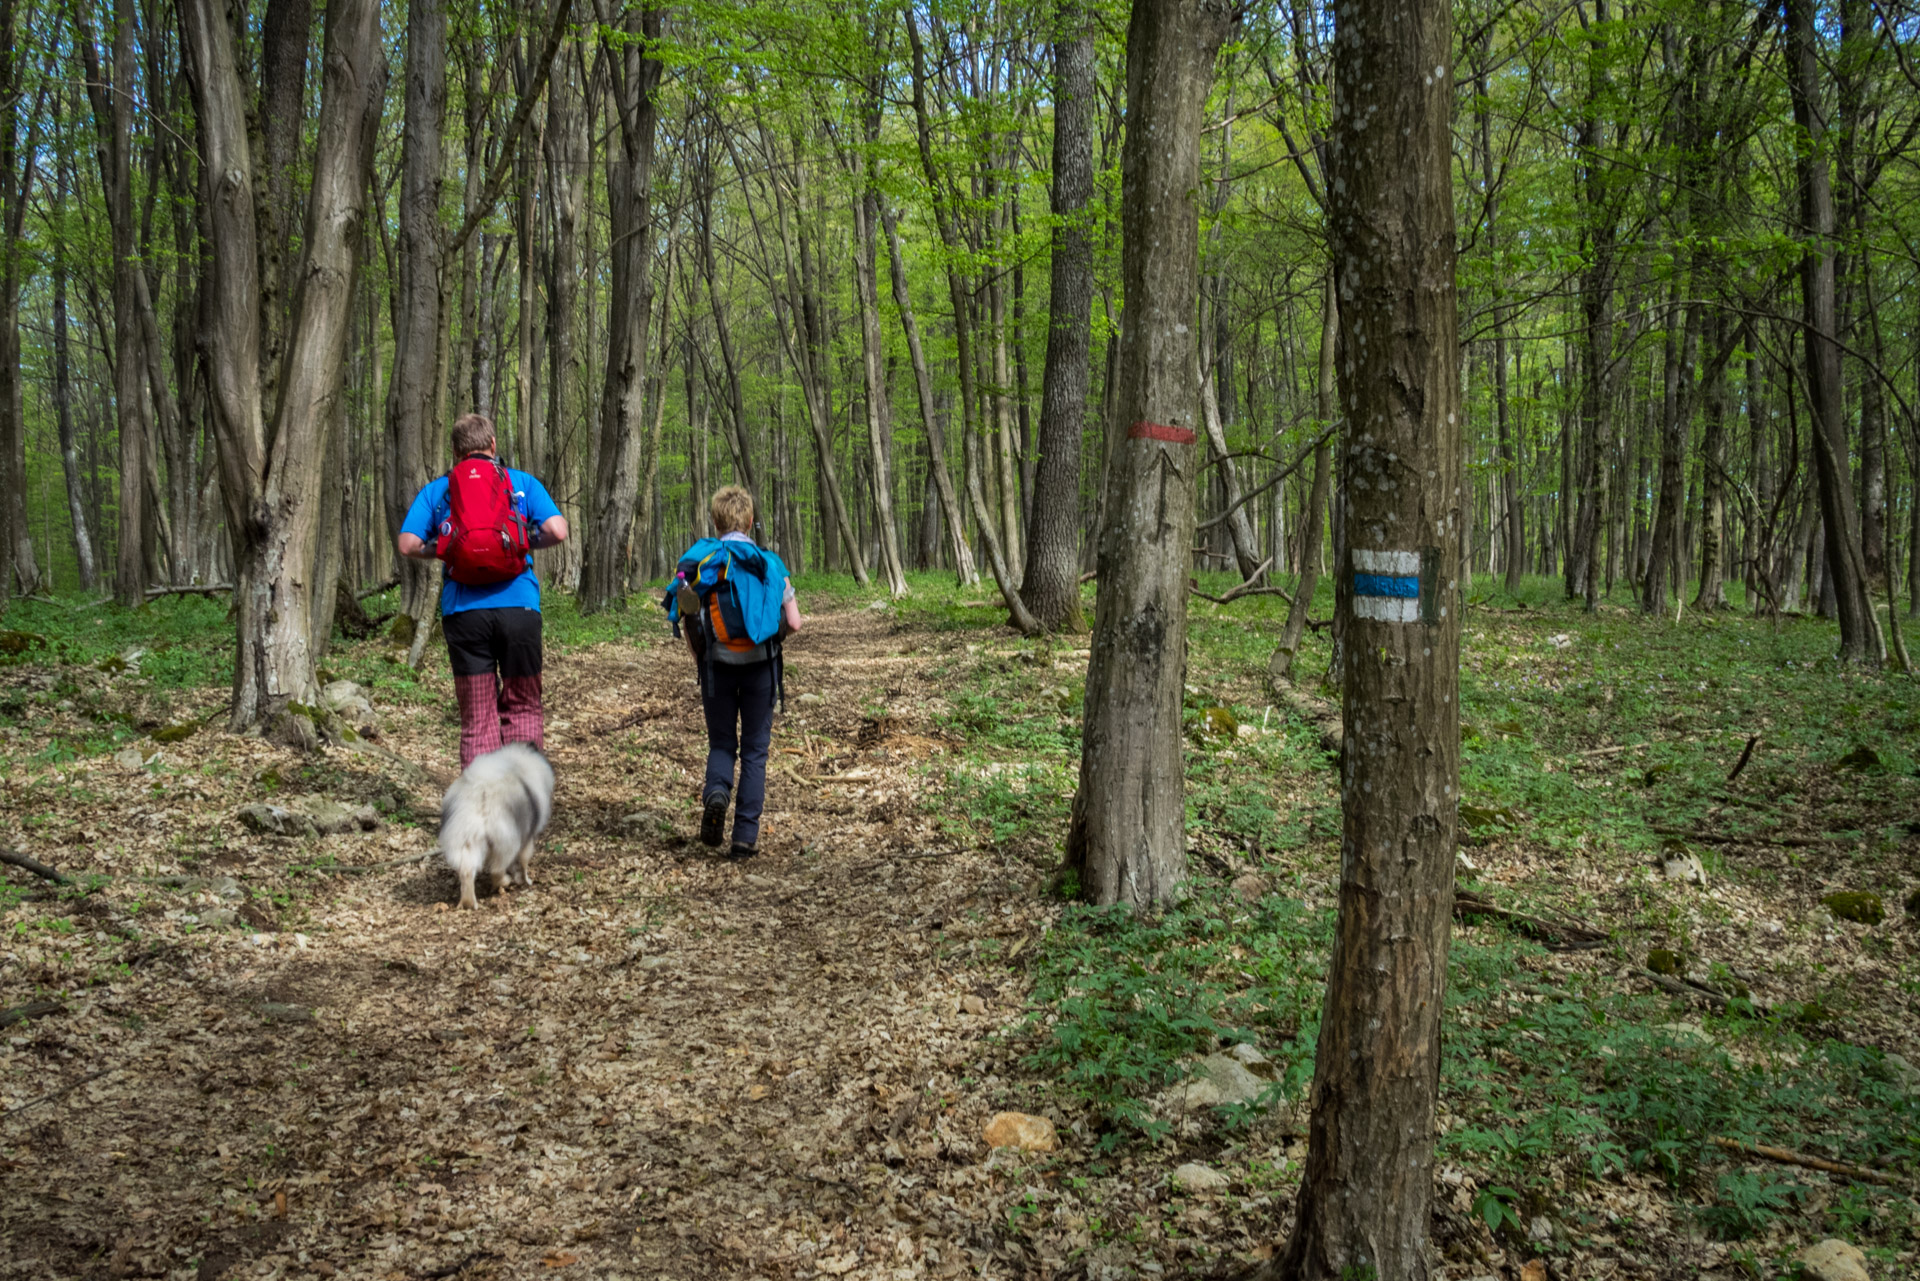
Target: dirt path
652,1064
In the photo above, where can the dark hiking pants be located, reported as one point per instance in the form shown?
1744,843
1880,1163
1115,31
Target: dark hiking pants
739,706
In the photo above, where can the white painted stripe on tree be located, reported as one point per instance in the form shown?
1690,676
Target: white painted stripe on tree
1387,609
1398,564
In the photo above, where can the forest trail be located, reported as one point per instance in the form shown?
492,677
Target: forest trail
654,1063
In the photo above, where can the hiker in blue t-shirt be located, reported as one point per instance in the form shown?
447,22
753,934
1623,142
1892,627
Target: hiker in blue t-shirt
492,628
736,603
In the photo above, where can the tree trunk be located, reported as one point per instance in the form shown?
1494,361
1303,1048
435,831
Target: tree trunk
17,562
1860,639
269,479
1313,528
1676,413
1127,841
957,294
1365,1196
1051,584
413,392
63,387
623,424
286,37
942,480
1713,463
866,261
113,106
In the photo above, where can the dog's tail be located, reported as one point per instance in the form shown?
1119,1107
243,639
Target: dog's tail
473,821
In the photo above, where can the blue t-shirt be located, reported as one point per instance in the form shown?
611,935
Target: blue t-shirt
430,508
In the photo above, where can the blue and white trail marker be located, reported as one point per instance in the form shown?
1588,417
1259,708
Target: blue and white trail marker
1387,586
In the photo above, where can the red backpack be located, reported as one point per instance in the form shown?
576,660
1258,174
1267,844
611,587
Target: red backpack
485,540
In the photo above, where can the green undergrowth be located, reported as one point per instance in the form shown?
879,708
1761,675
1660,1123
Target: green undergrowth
1549,1080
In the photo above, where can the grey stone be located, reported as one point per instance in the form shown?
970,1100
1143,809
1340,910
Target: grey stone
330,817
1687,869
274,820
345,698
280,1012
1896,1070
1195,1177
218,918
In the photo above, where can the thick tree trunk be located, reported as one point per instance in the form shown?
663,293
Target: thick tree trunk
1364,1202
623,397
413,393
269,479
1860,639
938,475
1127,839
565,157
286,36
1051,584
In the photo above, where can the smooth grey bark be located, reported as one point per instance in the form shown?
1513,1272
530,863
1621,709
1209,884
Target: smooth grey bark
1313,526
419,298
1365,1197
939,477
1860,638
1051,584
17,561
112,101
269,481
1127,840
636,78
63,384
866,216
958,296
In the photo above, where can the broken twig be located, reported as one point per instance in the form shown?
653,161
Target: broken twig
1785,1157
1745,756
34,865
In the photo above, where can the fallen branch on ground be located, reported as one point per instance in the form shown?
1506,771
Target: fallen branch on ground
1857,1173
1717,838
206,590
387,586
34,865
342,869
31,1010
1693,991
639,716
1745,756
1555,936
63,1090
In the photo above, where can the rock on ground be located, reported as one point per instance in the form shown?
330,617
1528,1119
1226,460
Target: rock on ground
1195,1177
1833,1260
1020,1130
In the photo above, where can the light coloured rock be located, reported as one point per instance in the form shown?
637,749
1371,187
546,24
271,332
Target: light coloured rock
1250,1055
811,700
345,698
973,1004
1251,887
1541,1229
1021,1130
1833,1260
1687,869
132,758
274,820
1898,1071
1687,1034
1195,1177
330,817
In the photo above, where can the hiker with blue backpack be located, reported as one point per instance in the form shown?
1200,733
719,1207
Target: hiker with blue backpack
484,519
735,603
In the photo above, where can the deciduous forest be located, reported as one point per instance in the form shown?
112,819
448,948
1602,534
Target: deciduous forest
1355,718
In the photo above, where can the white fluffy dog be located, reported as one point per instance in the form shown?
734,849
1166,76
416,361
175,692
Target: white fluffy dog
492,815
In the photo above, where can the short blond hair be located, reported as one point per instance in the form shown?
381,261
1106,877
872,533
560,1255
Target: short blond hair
472,433
732,511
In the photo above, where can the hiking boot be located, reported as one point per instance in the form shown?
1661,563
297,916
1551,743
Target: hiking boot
713,819
740,853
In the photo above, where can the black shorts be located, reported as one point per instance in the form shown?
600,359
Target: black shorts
483,641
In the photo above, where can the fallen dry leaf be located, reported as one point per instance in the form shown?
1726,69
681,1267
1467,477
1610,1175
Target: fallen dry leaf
280,1205
1536,1270
560,1260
